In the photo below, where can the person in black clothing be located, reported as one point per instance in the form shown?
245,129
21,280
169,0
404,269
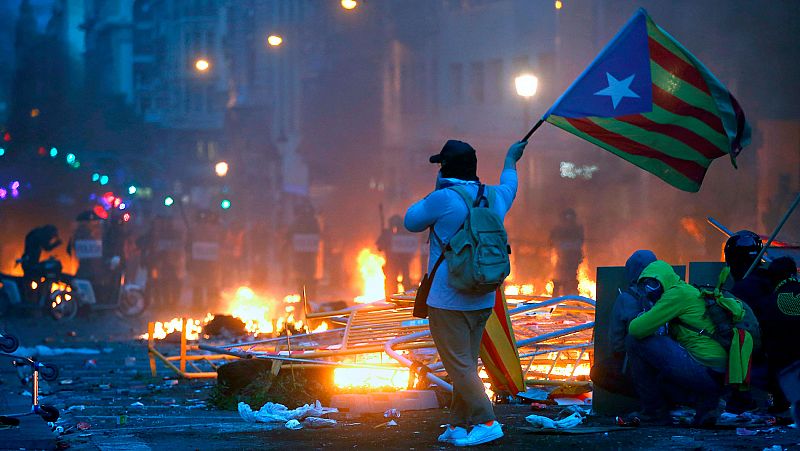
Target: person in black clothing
780,320
567,241
611,374
44,238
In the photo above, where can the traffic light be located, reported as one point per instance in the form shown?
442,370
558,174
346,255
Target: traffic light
2,151
132,190
225,204
53,152
70,157
168,201
104,180
95,177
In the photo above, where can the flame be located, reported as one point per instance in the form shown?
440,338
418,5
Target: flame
193,328
586,286
528,289
321,328
401,288
487,387
396,378
261,315
370,266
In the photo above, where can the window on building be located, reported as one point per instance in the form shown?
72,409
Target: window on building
496,82
456,83
477,80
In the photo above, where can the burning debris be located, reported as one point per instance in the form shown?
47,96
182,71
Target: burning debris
259,315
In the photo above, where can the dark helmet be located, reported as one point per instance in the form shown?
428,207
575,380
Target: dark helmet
740,251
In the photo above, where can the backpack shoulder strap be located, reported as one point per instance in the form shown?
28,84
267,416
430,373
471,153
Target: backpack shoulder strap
471,203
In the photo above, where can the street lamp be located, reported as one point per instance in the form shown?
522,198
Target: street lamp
274,40
526,85
221,169
349,4
202,65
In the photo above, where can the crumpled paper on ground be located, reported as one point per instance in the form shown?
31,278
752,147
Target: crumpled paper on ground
278,413
541,422
293,424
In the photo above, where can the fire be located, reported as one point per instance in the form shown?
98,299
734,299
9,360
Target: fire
370,266
586,286
193,327
691,227
321,328
396,378
261,315
487,387
528,289
253,310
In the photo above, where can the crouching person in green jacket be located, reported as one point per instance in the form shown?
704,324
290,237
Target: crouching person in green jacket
666,357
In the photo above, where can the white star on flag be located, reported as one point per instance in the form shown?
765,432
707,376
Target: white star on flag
617,89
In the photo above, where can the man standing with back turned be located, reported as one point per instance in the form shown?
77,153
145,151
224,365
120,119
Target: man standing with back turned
457,319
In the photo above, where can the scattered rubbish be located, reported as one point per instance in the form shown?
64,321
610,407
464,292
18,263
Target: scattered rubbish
391,423
130,362
541,422
534,394
171,383
293,424
538,406
580,410
104,386
42,350
682,439
318,423
76,408
391,413
90,363
273,412
122,419
628,422
65,382
59,430
72,333
87,434
774,448
26,393
82,425
137,404
569,401
748,432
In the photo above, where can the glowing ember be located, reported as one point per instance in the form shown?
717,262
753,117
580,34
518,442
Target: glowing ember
370,266
586,286
396,378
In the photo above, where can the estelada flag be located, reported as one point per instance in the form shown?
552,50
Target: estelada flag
499,349
646,99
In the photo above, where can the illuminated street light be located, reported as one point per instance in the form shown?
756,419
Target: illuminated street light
526,85
168,201
202,65
104,180
349,4
558,4
225,204
132,190
274,40
221,168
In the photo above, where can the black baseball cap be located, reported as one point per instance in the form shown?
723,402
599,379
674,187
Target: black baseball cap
454,150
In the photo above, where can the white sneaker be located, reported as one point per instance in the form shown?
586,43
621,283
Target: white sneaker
451,434
481,434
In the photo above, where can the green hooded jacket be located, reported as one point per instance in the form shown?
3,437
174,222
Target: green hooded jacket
680,300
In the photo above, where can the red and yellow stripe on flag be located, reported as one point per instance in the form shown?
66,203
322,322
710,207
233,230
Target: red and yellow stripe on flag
648,100
499,349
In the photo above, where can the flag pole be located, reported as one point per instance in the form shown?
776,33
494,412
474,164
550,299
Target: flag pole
530,132
774,234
